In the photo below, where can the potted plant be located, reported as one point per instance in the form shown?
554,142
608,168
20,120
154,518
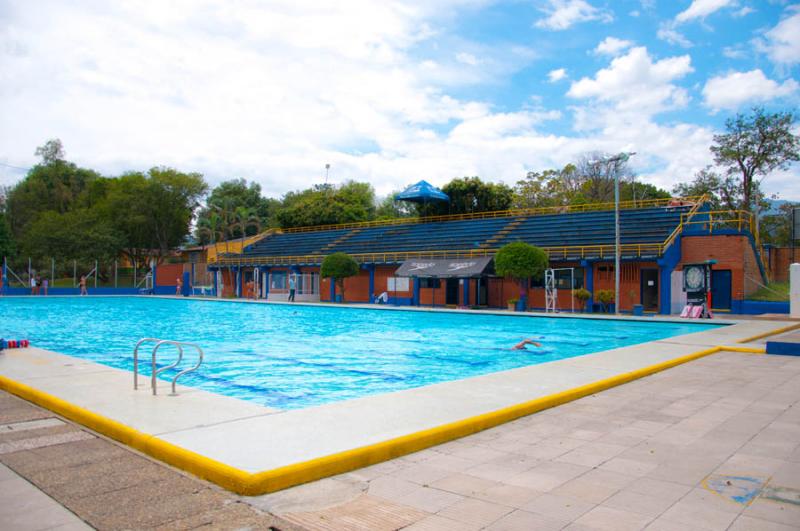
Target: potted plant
582,295
512,304
606,298
638,309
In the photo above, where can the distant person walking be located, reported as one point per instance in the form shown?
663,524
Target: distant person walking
292,287
178,286
82,285
34,288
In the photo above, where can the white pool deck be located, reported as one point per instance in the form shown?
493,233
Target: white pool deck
256,439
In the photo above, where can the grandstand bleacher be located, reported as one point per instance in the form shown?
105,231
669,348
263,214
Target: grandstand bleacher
595,228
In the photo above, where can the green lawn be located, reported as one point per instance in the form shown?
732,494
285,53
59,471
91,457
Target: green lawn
778,291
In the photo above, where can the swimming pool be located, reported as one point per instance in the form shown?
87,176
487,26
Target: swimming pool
291,357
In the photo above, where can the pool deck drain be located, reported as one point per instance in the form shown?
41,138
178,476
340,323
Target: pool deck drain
252,449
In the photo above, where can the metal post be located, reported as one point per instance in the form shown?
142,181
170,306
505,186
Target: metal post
74,273
616,243
52,271
29,271
134,272
95,273
115,273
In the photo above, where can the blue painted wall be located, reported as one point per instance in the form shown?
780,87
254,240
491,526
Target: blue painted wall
758,307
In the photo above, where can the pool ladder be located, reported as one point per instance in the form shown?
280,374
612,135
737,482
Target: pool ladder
155,370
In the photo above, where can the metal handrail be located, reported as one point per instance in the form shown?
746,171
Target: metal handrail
180,344
190,369
563,209
136,359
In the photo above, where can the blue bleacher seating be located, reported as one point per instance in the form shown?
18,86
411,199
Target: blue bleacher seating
645,225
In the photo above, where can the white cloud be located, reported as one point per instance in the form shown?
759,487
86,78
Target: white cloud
701,9
782,43
737,88
635,83
612,46
562,14
743,12
557,75
734,52
467,59
668,33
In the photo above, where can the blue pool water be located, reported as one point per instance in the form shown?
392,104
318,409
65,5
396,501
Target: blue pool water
298,356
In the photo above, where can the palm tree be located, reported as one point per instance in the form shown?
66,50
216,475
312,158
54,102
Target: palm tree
246,218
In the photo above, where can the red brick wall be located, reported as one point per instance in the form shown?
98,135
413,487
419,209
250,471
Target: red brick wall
780,260
166,274
732,252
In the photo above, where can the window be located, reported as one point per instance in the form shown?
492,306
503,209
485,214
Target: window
429,283
397,284
277,280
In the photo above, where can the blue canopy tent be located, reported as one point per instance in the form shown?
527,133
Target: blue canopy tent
422,192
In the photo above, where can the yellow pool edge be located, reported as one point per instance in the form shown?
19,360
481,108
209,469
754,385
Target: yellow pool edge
252,484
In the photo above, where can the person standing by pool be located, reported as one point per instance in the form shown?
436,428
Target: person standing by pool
178,286
292,287
45,285
34,286
82,284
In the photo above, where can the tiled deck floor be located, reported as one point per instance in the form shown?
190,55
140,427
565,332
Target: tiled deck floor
644,455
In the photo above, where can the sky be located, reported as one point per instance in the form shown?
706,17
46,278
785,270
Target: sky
389,92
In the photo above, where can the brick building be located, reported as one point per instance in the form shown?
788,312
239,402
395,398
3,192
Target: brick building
657,238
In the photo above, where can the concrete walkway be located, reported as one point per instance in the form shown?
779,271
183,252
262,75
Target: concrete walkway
710,445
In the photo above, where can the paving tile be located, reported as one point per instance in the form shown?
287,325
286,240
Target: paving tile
558,507
781,513
630,467
609,519
547,476
748,523
592,454
422,474
695,513
391,488
429,500
365,512
509,495
635,502
440,523
464,484
665,490
586,490
475,512
525,521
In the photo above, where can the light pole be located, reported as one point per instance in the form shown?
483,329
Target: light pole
616,159
327,167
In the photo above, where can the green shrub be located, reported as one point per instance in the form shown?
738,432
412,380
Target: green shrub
339,266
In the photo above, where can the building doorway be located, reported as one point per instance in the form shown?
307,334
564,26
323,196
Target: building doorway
721,289
649,288
451,296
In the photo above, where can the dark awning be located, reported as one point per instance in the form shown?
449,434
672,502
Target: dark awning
450,268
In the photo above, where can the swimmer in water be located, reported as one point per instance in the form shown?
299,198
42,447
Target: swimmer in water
521,345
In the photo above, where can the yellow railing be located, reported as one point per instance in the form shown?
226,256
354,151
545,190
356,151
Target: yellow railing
235,246
716,219
562,252
541,211
688,216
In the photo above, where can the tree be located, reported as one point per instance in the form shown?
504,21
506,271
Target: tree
468,195
7,247
55,186
233,195
755,145
82,235
153,210
776,227
52,151
328,205
390,208
339,266
520,261
722,192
